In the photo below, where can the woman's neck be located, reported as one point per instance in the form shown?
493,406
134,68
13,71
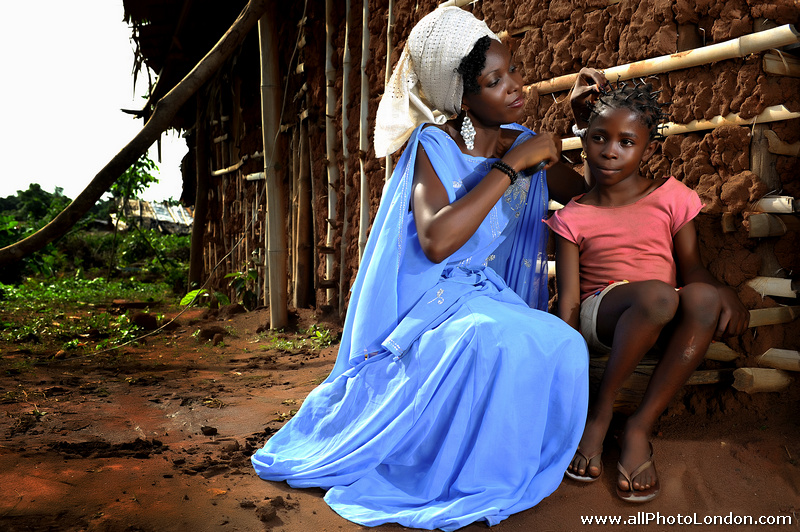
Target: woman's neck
489,140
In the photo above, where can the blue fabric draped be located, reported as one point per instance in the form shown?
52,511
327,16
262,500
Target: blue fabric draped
454,397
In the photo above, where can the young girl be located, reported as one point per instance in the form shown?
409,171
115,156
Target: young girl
617,278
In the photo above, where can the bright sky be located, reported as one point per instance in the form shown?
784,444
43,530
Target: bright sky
67,72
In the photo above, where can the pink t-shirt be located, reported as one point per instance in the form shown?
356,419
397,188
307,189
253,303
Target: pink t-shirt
631,242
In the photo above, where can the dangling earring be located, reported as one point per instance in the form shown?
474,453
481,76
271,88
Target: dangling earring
583,154
467,132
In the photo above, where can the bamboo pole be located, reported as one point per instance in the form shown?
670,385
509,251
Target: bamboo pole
755,380
305,263
739,47
330,140
781,64
457,3
313,186
770,114
773,286
721,352
363,135
728,222
766,225
346,67
276,281
785,359
773,316
775,204
196,262
295,214
778,147
387,74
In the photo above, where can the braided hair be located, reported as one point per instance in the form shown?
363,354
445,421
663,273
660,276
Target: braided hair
638,97
472,65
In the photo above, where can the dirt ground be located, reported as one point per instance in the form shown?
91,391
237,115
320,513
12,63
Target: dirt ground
158,438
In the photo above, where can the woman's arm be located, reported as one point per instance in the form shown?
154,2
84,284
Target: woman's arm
564,183
444,227
568,281
734,317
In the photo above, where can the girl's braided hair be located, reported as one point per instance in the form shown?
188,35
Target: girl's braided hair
638,97
472,64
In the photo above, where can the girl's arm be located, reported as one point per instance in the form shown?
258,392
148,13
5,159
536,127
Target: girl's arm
734,317
443,227
568,281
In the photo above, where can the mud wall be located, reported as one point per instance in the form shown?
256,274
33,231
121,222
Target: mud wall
549,39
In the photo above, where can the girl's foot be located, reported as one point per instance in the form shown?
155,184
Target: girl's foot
587,467
638,480
593,464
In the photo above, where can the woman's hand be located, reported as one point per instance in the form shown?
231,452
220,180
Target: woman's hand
589,85
543,147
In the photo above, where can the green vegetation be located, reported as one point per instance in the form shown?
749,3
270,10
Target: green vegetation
62,295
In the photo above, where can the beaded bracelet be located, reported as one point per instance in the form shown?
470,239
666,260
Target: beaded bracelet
506,169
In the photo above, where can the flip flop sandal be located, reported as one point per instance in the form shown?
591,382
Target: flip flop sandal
587,477
634,495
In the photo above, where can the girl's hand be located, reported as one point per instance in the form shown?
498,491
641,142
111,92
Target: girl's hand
589,85
734,317
539,148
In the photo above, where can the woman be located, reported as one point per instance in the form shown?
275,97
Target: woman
452,400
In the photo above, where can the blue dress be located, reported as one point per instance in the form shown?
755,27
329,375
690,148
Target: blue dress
452,400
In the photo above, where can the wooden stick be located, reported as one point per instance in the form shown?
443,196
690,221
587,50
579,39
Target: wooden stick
764,225
773,316
389,28
346,67
755,380
363,135
330,140
721,352
785,359
772,286
778,147
304,283
739,47
770,114
781,64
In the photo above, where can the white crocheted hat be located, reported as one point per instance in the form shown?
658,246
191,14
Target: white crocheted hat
425,86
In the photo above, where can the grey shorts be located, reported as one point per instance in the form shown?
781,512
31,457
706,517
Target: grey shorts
589,308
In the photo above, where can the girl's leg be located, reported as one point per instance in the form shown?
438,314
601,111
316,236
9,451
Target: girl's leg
695,324
630,318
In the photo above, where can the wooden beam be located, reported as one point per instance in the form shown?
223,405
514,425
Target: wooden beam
755,380
770,114
773,286
764,225
739,47
785,359
773,316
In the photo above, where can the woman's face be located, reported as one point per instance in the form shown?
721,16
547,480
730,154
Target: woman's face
500,99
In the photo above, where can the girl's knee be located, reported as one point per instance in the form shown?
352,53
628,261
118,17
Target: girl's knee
701,302
658,301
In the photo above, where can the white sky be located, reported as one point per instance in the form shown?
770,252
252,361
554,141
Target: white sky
66,73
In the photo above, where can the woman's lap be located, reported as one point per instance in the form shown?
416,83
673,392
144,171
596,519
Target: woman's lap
477,420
